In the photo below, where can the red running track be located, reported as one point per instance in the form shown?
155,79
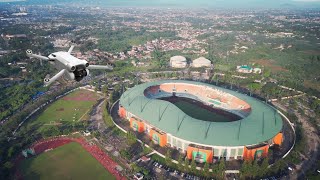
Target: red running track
93,149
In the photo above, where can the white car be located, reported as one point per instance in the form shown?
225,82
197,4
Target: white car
86,133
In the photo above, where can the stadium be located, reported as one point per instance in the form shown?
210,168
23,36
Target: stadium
203,121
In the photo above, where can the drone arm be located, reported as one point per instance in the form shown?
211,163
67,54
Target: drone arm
100,67
70,50
38,57
30,54
47,82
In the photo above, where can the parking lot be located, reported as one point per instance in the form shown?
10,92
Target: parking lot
161,171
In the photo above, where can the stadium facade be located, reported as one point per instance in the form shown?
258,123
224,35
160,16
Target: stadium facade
259,127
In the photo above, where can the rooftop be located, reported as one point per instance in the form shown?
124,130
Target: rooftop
262,124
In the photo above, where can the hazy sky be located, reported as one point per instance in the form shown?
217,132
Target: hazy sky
192,3
213,3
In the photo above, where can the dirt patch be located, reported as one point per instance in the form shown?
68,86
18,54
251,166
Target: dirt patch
311,52
61,109
269,64
81,96
311,84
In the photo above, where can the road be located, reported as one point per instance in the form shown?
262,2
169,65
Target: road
313,142
96,117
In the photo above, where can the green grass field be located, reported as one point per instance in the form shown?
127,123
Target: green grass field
70,161
200,113
74,106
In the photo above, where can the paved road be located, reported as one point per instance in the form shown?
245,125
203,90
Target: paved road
96,118
313,142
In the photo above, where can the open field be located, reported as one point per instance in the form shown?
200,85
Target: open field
74,106
312,84
69,161
269,64
312,52
223,67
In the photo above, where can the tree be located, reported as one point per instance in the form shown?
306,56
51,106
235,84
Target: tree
253,87
11,151
193,165
215,169
8,165
215,78
115,95
180,161
104,89
266,73
264,166
146,173
186,164
168,157
160,58
227,77
131,138
245,169
222,167
206,169
254,169
66,131
96,88
278,166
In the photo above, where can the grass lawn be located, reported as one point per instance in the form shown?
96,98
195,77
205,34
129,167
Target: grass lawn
74,106
200,113
70,161
223,67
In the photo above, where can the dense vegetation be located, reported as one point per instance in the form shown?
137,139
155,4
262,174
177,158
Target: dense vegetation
122,40
295,67
24,85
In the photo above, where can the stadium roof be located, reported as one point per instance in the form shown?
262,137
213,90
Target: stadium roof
262,124
202,60
178,58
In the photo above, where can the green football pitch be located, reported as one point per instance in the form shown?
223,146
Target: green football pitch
70,161
71,108
197,112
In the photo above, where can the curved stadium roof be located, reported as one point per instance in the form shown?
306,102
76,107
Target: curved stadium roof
262,124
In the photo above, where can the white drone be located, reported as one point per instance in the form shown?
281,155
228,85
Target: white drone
68,65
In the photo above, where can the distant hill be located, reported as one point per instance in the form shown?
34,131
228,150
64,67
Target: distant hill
7,1
287,5
180,3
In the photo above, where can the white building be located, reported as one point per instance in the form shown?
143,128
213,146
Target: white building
178,62
257,70
248,69
201,62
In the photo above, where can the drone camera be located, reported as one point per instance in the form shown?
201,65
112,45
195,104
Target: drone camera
73,68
